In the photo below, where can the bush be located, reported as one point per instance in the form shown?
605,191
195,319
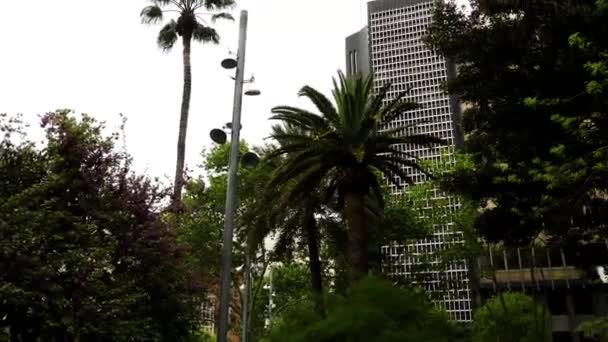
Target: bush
372,310
512,317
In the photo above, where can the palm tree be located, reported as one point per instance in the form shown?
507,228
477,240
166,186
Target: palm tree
292,215
344,145
190,26
300,222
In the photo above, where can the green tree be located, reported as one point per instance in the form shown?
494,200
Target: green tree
371,310
290,287
84,253
299,212
200,223
344,146
511,317
299,221
535,122
189,26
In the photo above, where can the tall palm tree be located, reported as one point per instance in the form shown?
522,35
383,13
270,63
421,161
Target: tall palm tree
345,145
190,25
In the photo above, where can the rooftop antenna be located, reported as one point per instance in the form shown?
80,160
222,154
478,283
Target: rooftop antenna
361,2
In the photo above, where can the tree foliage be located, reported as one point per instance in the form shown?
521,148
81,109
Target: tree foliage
202,221
532,77
85,254
290,288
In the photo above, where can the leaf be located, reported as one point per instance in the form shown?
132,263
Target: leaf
167,36
151,15
205,34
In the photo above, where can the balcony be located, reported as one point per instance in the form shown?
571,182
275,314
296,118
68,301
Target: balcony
541,267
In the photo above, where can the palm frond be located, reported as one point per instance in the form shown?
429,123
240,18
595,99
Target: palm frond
392,105
287,149
323,104
214,5
161,3
306,184
417,139
401,163
298,117
302,163
352,96
288,138
167,36
286,127
391,170
400,130
340,94
151,14
399,109
205,34
400,154
375,106
424,140
223,15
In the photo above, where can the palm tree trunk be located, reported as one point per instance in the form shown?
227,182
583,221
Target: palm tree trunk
183,123
314,262
354,212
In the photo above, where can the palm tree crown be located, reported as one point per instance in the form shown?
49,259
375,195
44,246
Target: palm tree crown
344,147
190,19
190,25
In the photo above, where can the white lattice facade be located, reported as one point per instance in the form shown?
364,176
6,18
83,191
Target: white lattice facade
399,56
208,315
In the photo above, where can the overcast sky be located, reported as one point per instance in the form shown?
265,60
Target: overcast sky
96,57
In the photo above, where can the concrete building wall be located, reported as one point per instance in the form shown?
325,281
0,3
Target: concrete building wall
357,53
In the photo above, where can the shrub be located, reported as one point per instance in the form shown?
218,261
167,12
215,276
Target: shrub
511,317
371,310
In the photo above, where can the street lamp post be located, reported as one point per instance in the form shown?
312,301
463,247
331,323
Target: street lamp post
232,182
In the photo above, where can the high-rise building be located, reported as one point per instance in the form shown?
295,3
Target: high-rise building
357,53
398,55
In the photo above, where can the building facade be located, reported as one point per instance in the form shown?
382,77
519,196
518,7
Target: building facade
357,53
398,55
570,282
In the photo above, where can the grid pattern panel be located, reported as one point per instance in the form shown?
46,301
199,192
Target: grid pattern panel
208,315
400,57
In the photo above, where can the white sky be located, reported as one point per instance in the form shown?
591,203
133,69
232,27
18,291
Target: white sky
96,57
